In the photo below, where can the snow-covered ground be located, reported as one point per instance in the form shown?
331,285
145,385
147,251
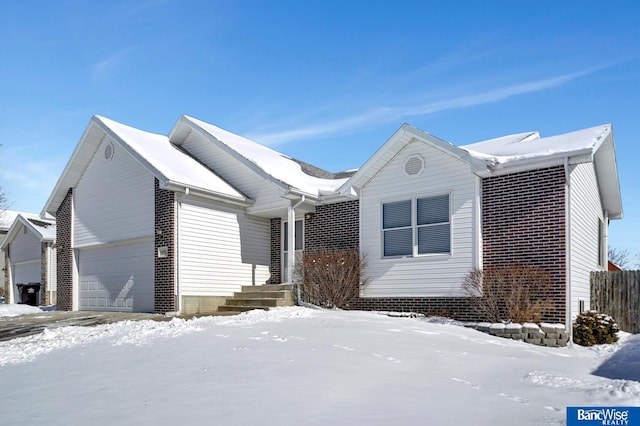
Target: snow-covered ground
298,366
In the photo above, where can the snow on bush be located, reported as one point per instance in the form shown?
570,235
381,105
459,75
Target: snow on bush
593,328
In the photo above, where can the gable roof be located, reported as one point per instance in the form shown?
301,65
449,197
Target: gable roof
285,172
174,169
44,229
403,136
7,217
512,153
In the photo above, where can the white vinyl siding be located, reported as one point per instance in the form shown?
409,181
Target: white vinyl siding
266,195
434,275
586,215
25,246
26,272
114,200
117,278
220,250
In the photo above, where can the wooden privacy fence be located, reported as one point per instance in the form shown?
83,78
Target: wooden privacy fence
617,293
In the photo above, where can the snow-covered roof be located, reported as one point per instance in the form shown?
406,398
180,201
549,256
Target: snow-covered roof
171,165
44,229
173,168
268,162
7,217
525,146
512,153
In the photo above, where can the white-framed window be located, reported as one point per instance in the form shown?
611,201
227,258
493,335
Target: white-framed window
418,226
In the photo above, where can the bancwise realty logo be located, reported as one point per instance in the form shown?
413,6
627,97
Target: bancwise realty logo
582,416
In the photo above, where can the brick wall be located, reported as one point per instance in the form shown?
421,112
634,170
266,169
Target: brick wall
523,222
164,268
452,307
64,254
335,226
275,265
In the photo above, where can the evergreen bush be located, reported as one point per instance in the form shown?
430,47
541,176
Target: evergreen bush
593,328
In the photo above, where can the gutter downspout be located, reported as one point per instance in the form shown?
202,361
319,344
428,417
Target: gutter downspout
567,180
291,240
176,260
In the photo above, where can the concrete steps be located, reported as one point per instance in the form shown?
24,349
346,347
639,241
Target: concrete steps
258,297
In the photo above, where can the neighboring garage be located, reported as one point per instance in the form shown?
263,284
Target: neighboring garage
117,277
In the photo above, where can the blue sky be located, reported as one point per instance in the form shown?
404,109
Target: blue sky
323,81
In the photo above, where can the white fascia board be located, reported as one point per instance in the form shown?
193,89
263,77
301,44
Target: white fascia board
68,179
516,166
204,193
403,136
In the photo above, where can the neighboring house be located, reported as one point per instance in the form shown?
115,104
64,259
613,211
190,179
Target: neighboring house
7,217
613,267
30,260
148,222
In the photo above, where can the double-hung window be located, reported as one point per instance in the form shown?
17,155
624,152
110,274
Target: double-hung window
415,227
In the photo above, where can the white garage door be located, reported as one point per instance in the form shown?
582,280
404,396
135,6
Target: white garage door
25,273
117,278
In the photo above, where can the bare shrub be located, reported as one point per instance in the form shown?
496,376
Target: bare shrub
330,277
509,294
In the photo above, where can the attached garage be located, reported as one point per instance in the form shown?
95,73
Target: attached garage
26,272
117,277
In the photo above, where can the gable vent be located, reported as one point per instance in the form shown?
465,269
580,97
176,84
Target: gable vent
414,165
108,151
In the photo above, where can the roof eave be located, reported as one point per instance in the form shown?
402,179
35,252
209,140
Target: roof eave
205,193
184,120
405,134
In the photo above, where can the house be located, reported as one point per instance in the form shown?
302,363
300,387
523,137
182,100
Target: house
149,222
29,256
6,219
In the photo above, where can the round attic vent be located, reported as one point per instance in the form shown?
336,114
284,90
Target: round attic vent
414,165
108,151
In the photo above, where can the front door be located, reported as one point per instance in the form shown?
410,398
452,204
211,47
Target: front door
299,234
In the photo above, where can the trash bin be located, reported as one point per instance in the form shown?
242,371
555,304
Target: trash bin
29,293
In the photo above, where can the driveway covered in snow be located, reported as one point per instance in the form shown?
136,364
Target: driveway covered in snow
22,320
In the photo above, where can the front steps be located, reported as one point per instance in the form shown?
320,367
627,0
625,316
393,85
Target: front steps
258,297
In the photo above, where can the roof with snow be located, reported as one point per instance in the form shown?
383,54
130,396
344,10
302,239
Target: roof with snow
512,153
173,168
43,229
269,163
7,217
530,145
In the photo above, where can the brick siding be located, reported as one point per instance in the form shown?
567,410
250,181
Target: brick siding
164,268
333,226
275,265
44,276
523,221
64,254
452,307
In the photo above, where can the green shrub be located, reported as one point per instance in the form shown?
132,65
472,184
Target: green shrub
593,328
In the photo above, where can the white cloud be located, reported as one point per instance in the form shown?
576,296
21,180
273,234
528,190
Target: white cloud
107,66
391,114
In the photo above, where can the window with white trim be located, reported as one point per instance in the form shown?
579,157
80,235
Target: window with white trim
415,227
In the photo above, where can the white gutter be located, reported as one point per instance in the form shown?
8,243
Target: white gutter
567,218
176,260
